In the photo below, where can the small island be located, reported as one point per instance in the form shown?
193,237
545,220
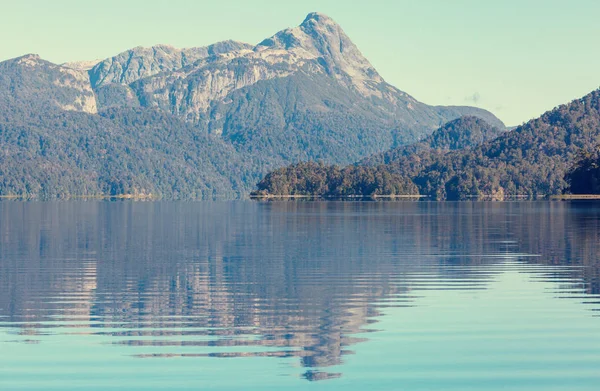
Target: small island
317,180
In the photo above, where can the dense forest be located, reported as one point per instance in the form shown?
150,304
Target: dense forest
463,132
532,160
55,153
318,179
529,161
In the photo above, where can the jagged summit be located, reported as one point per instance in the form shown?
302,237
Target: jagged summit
321,38
323,23
316,30
315,27
30,59
317,18
31,56
140,62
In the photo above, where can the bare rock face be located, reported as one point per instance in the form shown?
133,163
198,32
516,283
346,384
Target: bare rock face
81,65
321,38
78,80
190,91
40,82
140,62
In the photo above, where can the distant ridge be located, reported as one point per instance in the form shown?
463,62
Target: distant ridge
461,133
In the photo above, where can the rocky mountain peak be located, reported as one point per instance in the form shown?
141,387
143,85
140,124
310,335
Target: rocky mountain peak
318,17
42,84
325,40
318,34
190,82
30,56
28,60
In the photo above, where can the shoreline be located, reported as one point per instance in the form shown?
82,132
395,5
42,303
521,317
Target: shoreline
139,197
575,197
270,197
350,197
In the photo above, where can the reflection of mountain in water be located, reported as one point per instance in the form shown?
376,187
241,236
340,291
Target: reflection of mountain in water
273,279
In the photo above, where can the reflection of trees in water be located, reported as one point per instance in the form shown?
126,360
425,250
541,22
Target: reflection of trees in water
571,236
295,279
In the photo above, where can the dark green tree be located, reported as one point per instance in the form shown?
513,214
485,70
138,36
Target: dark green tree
584,177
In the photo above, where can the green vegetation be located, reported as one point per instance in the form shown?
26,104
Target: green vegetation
317,179
464,132
54,145
59,154
310,117
584,177
531,161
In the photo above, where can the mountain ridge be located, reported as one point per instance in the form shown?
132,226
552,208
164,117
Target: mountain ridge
139,62
305,93
461,133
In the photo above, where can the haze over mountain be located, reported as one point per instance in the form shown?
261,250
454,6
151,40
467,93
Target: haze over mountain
306,93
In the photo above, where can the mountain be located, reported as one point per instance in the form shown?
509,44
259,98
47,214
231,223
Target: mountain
33,82
461,133
305,93
235,111
534,160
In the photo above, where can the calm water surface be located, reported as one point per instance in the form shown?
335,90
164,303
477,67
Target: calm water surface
299,295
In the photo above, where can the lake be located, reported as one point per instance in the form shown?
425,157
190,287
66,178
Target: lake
101,295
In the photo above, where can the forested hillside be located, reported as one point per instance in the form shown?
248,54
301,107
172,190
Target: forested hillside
461,133
62,154
531,161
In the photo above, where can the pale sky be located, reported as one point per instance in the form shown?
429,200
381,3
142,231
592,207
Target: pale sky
516,58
